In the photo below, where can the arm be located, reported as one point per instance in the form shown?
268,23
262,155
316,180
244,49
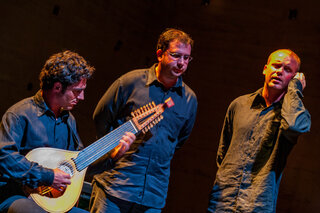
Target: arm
105,117
187,127
225,138
108,107
14,165
224,143
296,118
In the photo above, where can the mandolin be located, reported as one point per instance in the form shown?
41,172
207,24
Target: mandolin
75,163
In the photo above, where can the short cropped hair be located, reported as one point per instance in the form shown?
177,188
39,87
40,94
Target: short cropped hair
65,67
290,53
170,35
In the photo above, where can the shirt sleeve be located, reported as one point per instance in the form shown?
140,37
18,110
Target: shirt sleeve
226,135
105,120
78,145
295,117
187,128
14,165
104,115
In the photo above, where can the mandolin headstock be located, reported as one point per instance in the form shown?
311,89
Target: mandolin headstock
149,115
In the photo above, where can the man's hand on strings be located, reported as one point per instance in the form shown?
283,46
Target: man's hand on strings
124,145
61,179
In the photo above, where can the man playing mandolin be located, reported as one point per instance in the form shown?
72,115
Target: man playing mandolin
44,120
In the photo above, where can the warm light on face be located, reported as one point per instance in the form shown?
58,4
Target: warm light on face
281,68
73,94
178,56
174,61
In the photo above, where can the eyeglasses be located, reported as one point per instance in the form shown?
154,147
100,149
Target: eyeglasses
177,56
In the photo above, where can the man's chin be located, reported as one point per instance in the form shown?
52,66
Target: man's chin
68,108
176,74
276,86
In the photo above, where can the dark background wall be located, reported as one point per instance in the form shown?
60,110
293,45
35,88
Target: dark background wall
232,42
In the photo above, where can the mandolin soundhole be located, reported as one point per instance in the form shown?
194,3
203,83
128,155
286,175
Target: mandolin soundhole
67,167
52,192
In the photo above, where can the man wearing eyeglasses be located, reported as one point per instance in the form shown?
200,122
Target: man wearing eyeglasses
138,182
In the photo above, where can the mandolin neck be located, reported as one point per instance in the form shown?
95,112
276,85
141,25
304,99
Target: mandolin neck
102,146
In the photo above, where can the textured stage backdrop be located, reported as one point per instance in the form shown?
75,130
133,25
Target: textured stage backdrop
232,42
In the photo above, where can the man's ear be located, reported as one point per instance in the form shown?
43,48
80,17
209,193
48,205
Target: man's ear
264,69
57,87
159,54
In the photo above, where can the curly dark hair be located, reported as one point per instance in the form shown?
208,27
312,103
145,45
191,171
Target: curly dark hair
65,67
172,34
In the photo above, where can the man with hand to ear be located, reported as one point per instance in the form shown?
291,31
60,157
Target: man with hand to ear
259,131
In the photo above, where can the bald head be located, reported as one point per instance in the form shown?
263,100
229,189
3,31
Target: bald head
285,53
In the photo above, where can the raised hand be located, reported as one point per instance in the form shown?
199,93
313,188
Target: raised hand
300,76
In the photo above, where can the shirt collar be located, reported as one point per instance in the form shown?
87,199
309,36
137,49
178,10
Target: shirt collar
152,78
258,100
43,107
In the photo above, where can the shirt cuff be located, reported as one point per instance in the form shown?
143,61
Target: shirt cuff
47,177
296,85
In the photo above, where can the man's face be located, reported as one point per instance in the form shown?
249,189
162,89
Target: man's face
174,61
280,70
72,95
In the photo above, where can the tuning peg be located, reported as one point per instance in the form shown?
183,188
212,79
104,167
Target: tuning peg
150,106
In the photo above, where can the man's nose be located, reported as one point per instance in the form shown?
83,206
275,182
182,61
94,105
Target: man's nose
279,70
81,95
180,62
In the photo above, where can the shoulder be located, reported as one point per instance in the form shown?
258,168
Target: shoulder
72,121
20,112
22,107
188,102
71,117
133,80
132,76
189,93
243,100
